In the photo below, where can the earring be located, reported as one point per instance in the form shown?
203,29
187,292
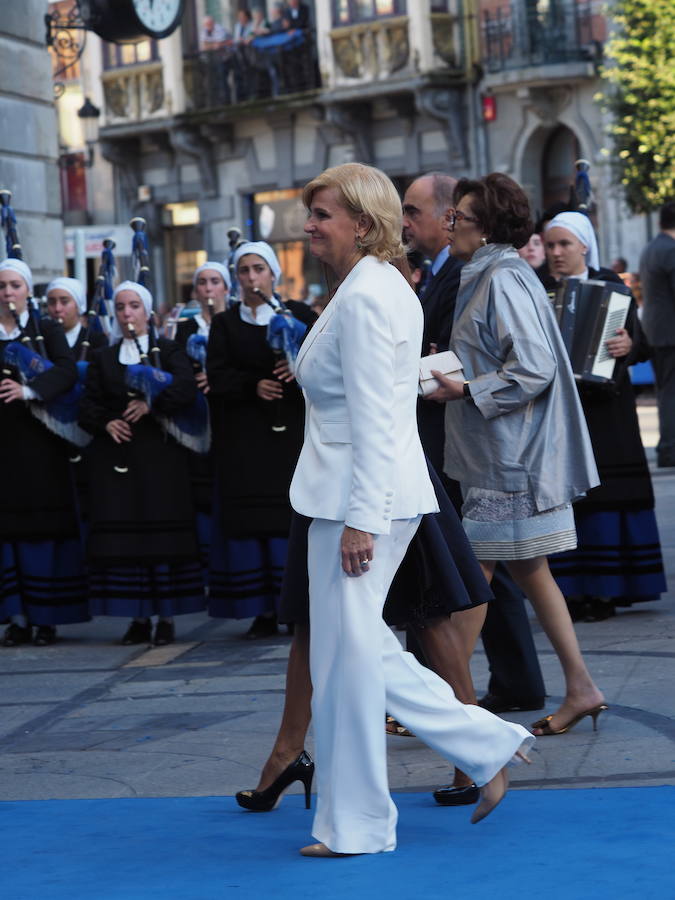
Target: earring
483,241
357,241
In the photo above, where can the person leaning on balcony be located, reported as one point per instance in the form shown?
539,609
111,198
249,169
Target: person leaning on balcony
214,41
259,24
213,35
277,23
243,27
297,14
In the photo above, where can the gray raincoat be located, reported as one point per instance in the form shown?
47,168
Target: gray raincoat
525,430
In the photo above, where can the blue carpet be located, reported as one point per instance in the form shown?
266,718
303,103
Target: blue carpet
604,843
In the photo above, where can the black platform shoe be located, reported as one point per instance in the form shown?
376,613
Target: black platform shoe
457,796
497,704
45,635
138,633
302,769
165,633
16,635
262,627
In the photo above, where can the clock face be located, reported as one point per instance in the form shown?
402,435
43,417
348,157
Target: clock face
158,17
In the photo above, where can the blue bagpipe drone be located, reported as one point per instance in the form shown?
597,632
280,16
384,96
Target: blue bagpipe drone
25,359
190,427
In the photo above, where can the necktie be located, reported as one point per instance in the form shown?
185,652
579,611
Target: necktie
425,280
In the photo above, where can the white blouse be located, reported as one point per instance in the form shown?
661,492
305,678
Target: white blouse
264,314
128,354
73,334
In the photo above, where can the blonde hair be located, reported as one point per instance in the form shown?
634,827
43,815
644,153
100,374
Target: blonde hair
368,191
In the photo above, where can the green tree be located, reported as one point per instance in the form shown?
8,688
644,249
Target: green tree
640,95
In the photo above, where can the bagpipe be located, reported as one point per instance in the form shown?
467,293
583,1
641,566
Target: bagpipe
99,312
235,240
148,380
284,332
25,359
196,350
284,336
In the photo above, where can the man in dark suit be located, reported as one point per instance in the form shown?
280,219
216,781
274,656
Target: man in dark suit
657,274
515,681
297,14
425,208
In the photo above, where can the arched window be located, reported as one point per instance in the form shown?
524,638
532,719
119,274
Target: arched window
560,152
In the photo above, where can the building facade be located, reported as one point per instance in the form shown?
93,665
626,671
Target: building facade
199,137
540,61
28,137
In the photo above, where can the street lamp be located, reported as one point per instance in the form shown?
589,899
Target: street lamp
89,115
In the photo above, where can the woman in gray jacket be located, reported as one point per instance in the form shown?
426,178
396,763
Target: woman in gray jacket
517,439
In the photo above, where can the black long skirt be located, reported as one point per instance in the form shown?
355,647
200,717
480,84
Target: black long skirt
439,574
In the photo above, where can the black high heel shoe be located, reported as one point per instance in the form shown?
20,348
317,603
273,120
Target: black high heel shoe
301,769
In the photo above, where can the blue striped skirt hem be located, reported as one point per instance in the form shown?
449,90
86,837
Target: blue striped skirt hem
618,555
245,577
44,581
162,589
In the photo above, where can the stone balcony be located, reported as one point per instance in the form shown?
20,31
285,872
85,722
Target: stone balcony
134,94
372,53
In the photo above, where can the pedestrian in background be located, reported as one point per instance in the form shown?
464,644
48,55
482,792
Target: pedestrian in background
517,441
258,416
657,276
142,543
41,561
618,558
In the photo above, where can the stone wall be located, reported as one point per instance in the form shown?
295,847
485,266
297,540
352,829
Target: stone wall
28,136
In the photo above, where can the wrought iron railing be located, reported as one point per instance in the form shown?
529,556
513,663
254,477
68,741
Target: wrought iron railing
540,32
235,75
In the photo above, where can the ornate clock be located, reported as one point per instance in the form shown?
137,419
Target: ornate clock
130,20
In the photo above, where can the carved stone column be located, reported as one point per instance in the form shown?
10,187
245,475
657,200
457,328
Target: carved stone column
192,143
447,104
354,121
124,156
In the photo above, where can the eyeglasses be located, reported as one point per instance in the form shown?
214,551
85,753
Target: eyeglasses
456,215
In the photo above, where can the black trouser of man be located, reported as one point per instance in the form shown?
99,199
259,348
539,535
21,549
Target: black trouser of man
515,674
663,361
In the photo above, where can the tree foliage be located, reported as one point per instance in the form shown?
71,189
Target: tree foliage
640,96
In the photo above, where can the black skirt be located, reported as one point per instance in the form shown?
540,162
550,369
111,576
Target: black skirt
439,574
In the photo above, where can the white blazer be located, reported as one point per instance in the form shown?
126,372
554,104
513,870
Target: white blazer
362,462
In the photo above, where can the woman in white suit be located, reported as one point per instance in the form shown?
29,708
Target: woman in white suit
363,479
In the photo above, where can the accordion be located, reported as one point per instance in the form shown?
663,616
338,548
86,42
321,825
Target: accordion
588,314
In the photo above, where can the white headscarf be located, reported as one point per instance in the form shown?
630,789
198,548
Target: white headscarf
145,297
260,248
216,266
71,286
580,226
20,267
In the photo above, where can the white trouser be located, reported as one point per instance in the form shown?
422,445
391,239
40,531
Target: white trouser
359,670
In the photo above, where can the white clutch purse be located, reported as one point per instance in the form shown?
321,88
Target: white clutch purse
447,363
